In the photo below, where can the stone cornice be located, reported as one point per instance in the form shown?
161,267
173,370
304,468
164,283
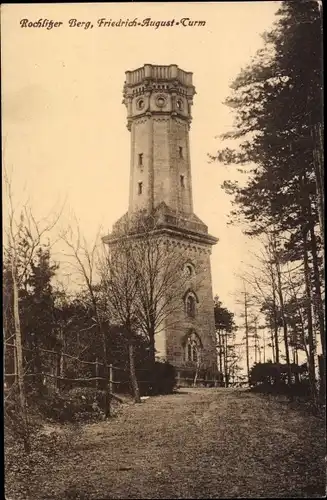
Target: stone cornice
172,231
159,115
191,236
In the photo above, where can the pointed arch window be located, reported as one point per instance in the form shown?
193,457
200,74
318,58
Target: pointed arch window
190,306
193,348
190,301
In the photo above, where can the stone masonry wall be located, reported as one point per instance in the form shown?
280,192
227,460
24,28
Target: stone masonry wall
179,325
159,140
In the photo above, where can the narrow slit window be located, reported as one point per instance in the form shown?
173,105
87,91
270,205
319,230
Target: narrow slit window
180,152
182,181
140,185
141,159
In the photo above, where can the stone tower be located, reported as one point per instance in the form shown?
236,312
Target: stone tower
158,101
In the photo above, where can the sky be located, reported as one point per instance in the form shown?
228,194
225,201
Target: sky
64,124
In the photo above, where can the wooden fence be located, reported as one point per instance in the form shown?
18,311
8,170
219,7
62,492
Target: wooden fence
53,379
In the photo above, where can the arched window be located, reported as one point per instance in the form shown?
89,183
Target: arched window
190,306
193,348
190,300
189,269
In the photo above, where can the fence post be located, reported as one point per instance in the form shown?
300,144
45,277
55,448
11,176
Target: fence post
178,379
111,378
15,363
97,372
58,372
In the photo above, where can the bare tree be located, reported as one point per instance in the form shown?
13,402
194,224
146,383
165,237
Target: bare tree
281,287
120,283
197,371
261,279
269,287
244,300
84,260
159,274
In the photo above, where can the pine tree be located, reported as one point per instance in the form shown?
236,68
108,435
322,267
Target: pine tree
277,101
37,314
225,332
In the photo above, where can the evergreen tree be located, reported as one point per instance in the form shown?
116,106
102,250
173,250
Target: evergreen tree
225,333
37,315
277,101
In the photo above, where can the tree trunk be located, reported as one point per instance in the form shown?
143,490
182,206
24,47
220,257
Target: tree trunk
272,345
152,349
312,374
247,337
20,360
61,361
15,363
225,361
107,395
318,152
220,353
281,301
295,361
275,323
318,297
134,383
322,379
18,342
196,373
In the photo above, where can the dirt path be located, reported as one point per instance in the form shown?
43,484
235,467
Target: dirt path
202,443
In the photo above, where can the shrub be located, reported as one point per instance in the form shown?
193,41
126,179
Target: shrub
206,377
18,425
77,404
157,379
275,373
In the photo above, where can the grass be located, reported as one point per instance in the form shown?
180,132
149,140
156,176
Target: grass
200,443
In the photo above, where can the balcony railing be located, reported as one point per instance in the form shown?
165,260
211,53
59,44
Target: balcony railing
171,72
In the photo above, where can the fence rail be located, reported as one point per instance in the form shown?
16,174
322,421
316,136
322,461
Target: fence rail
180,380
